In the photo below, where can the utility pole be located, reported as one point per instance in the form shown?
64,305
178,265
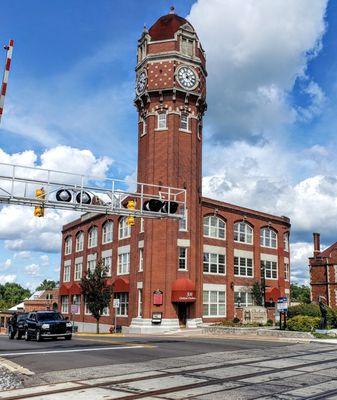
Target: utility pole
9,49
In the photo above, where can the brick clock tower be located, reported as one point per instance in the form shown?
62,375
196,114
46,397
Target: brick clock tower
170,99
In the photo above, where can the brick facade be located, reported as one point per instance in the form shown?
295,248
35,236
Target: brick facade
170,154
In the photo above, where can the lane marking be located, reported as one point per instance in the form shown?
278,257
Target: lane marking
47,351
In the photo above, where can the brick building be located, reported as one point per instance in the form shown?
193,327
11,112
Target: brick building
323,272
189,270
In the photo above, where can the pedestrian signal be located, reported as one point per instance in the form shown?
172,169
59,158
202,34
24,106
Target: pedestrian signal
39,211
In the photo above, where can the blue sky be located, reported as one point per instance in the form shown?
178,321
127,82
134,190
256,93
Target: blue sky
270,128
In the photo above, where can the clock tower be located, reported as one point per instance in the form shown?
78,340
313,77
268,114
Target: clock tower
170,99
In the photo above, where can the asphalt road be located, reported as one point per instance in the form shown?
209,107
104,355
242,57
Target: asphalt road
91,351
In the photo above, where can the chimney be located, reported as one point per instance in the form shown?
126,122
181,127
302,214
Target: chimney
317,244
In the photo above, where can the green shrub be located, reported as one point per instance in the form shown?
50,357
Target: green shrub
312,310
236,320
303,323
270,322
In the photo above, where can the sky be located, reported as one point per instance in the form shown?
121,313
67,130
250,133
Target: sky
270,128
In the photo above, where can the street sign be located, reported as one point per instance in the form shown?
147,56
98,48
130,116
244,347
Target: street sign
74,309
115,303
282,304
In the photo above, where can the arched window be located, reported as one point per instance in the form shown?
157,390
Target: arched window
214,227
268,238
68,245
243,233
107,232
92,237
79,241
124,230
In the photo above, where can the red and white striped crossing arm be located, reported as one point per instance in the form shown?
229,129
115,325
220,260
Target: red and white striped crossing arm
9,49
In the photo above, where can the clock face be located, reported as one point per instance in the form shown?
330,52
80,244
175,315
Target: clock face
187,77
141,83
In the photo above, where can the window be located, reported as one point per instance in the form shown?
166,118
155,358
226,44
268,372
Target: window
78,271
243,233
187,46
66,273
107,232
123,264
77,302
91,265
122,310
144,126
92,238
214,263
64,304
107,262
79,241
106,312
86,308
183,221
268,238
286,271
182,262
243,266
141,259
140,302
124,229
243,298
214,227
199,131
269,268
286,242
162,120
67,245
49,296
184,122
141,225
214,303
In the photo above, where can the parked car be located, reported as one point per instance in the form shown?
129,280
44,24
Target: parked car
47,324
17,328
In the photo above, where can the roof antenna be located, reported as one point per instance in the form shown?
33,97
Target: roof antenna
171,10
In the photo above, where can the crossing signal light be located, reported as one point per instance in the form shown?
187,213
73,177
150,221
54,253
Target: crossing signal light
63,195
166,207
40,194
83,197
131,206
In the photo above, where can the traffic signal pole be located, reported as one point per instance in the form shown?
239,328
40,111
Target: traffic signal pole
9,49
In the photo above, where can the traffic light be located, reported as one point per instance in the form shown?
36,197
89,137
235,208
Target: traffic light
166,207
40,194
131,206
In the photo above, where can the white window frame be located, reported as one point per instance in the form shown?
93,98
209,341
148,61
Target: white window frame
161,121
184,122
246,266
86,308
107,262
270,267
141,260
268,237
68,244
92,237
91,265
124,230
182,258
123,309
78,270
123,267
245,295
107,232
79,242
106,312
286,271
243,233
286,242
140,303
211,298
144,126
213,259
214,230
183,227
65,304
66,272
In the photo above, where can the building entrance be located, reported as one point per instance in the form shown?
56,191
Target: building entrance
182,312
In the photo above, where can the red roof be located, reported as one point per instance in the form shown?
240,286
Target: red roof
326,252
166,26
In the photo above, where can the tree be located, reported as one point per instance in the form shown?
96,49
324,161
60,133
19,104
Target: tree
12,294
300,294
47,285
96,292
258,295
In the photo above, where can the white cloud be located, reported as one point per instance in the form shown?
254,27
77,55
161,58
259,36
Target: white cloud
22,255
7,279
256,49
32,269
44,260
7,264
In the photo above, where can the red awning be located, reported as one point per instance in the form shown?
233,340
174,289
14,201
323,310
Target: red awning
121,285
64,290
272,294
75,289
183,291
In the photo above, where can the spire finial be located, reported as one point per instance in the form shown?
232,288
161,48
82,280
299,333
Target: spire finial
172,10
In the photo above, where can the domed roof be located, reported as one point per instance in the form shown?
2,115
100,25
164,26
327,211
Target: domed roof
166,26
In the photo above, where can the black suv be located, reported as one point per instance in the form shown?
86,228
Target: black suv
19,327
47,324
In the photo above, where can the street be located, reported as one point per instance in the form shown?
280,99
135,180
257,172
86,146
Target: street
167,367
